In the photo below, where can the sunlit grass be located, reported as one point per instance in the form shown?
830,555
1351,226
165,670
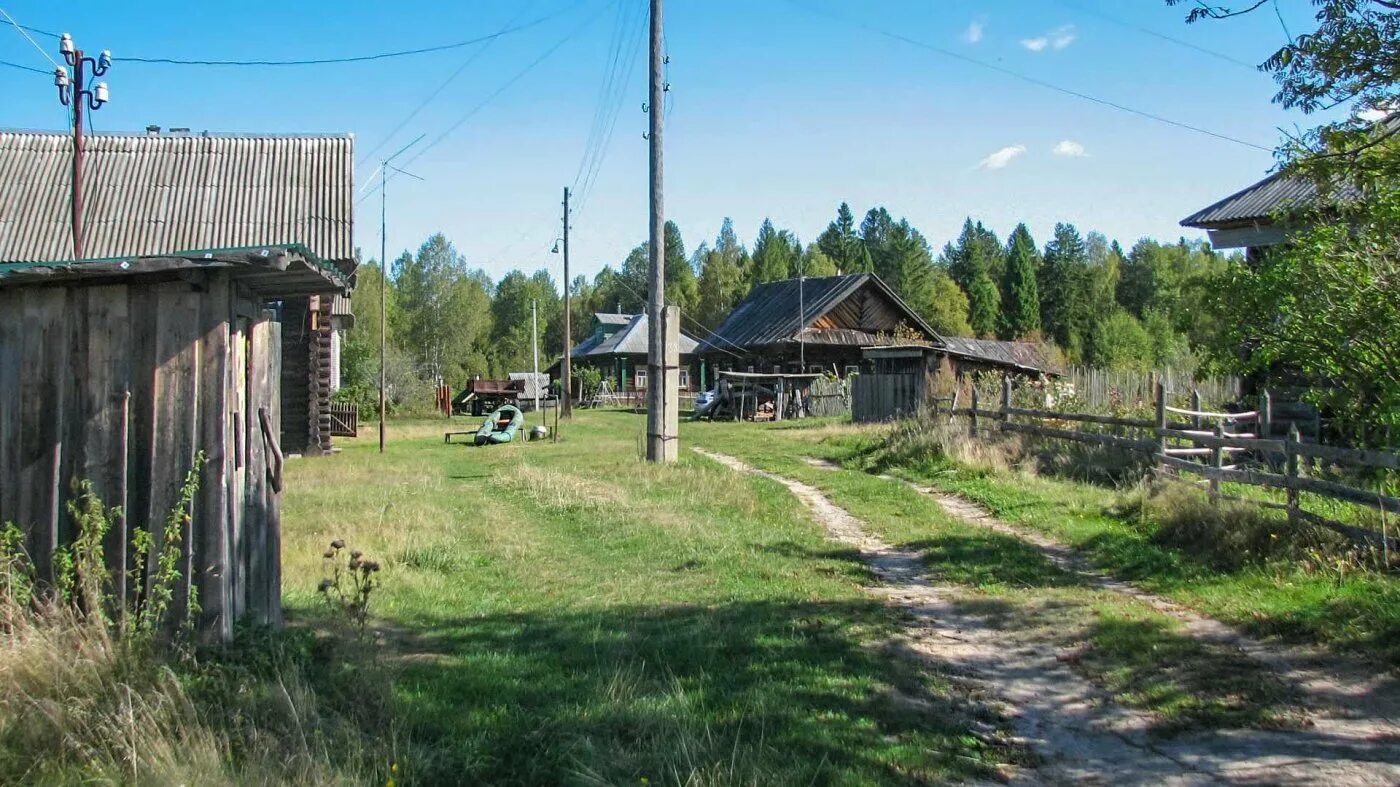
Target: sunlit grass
556,613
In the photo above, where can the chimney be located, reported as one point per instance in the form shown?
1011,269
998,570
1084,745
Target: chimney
153,130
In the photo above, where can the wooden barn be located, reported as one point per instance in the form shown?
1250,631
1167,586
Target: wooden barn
121,368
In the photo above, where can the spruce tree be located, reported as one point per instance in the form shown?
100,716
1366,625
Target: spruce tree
1020,293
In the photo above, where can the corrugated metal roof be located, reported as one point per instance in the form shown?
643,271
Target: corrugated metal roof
769,314
1261,202
1280,192
608,318
631,340
148,195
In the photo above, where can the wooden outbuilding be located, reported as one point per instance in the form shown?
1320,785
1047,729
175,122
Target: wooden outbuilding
121,369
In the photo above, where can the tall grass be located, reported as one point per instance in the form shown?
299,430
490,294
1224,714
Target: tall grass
95,692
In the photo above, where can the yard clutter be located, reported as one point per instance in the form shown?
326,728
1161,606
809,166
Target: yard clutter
500,426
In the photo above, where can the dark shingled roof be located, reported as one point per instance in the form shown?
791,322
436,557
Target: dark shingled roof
1261,202
769,314
1022,355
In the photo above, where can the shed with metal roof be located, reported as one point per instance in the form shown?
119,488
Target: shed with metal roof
199,201
160,356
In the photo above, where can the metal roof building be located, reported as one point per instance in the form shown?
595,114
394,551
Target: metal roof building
177,195
1251,216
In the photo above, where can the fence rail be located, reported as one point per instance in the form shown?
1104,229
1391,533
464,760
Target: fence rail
1193,448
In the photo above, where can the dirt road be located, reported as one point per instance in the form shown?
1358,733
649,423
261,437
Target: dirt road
1082,735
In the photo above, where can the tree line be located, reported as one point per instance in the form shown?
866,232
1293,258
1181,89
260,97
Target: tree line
1084,294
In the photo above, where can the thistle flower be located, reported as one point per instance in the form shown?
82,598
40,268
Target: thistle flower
356,554
339,543
354,563
328,554
325,585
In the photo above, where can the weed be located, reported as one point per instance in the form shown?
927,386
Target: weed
350,581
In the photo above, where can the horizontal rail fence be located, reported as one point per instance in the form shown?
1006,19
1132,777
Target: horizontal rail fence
1256,448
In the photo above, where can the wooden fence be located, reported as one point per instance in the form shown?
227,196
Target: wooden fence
345,419
1105,388
829,396
881,397
1218,447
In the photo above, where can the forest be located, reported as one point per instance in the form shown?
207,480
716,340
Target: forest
1148,306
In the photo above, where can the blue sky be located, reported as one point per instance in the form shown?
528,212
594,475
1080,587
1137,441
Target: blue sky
777,109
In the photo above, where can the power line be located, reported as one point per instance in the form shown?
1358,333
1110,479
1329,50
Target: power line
26,68
1033,80
502,89
340,60
21,30
1163,36
610,120
605,92
446,82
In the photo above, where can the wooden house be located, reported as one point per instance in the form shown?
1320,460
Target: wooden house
120,369
618,349
1261,216
816,325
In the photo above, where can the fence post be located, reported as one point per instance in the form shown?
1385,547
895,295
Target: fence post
1005,398
1291,451
1266,415
1196,420
1161,423
972,429
1217,455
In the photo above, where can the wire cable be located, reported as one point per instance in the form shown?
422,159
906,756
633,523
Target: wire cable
615,45
500,90
447,82
1033,80
609,118
341,60
21,30
1163,36
30,69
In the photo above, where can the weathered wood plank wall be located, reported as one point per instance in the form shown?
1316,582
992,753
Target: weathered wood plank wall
122,385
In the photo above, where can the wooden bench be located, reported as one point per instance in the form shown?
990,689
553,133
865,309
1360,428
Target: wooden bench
447,436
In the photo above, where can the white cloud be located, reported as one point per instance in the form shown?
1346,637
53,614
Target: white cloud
975,31
1002,157
1070,149
1374,115
1059,38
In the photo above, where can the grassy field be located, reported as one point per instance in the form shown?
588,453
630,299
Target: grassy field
568,614
1318,601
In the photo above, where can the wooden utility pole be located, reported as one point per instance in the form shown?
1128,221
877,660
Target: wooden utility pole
566,371
535,346
383,295
661,441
